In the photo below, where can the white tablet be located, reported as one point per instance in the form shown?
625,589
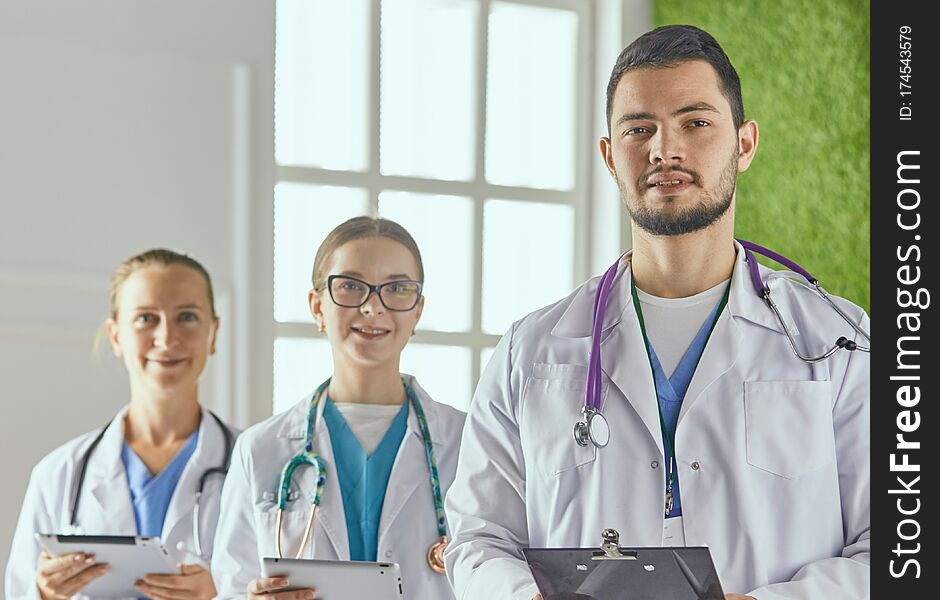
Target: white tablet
338,579
130,558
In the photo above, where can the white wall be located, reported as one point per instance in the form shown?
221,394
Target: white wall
125,125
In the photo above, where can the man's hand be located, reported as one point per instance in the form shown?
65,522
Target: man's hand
64,576
739,597
193,582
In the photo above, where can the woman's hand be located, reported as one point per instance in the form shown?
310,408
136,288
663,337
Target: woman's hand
273,588
193,582
60,577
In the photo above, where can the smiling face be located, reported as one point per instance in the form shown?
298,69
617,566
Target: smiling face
673,148
163,328
370,336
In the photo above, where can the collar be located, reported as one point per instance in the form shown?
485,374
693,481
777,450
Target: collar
294,425
743,301
107,464
577,320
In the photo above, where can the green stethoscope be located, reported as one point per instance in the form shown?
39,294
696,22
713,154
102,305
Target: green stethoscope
309,457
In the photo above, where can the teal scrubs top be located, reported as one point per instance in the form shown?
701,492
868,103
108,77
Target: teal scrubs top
151,494
363,479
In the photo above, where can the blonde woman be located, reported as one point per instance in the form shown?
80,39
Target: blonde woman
140,474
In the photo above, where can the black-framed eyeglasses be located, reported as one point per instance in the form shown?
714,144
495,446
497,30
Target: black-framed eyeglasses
402,295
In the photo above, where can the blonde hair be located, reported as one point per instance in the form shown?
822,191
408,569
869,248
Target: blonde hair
358,228
155,256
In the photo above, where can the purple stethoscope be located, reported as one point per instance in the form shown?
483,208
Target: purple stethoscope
593,427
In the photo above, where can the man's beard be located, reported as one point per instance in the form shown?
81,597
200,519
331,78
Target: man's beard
705,212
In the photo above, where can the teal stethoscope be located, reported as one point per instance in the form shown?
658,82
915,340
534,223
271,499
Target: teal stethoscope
309,457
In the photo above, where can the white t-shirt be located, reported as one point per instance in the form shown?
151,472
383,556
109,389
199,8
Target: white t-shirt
368,422
672,323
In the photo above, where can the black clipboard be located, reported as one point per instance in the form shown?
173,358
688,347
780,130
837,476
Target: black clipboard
654,573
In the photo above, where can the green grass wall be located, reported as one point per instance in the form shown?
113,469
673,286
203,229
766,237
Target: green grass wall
804,68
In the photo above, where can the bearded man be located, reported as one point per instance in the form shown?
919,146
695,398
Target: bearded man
719,433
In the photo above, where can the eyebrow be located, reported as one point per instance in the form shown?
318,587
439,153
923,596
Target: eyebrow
394,276
196,306
645,116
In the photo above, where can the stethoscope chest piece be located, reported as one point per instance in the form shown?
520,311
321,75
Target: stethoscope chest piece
436,555
592,428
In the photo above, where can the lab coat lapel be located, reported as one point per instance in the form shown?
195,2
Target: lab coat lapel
623,356
625,361
106,481
719,356
409,471
723,346
210,449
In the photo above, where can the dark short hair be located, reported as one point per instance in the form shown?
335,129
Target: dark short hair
673,44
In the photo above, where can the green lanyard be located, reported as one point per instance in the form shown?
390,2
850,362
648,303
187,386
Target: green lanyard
669,440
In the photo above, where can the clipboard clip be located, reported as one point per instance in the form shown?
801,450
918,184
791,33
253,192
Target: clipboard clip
610,547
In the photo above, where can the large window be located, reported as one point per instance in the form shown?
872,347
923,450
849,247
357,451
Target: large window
464,120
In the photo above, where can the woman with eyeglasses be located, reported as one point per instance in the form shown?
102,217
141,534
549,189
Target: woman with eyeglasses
357,469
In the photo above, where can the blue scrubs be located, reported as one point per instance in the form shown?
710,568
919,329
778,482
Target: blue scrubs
671,391
363,479
150,494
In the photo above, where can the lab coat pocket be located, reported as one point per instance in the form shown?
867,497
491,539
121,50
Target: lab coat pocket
293,523
788,426
551,405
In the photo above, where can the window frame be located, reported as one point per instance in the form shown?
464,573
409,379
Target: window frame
588,250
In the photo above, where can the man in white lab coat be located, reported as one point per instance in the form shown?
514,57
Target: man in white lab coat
719,433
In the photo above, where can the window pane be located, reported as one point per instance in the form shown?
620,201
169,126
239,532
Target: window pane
443,228
530,100
528,259
321,107
303,215
300,365
428,63
443,371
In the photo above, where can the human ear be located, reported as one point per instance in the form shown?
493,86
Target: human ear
315,301
112,329
213,335
607,156
418,311
748,137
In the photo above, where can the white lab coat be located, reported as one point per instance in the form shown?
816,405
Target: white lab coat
105,507
772,454
408,525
